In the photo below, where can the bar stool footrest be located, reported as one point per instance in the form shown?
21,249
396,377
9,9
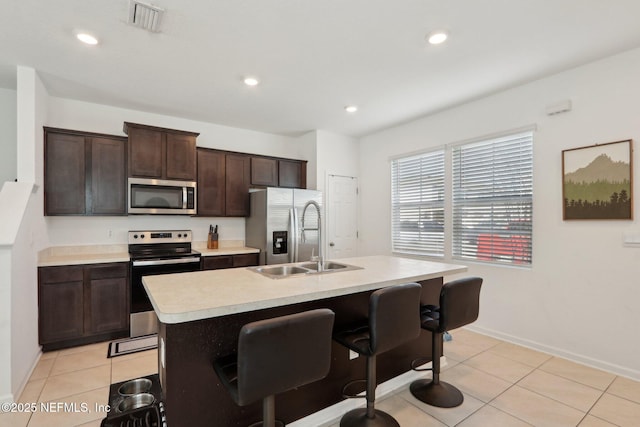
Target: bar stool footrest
353,396
441,395
358,418
420,361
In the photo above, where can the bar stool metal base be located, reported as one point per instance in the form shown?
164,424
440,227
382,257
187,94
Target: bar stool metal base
442,394
358,418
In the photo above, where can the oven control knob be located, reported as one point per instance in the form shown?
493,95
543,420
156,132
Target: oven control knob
135,236
142,236
179,235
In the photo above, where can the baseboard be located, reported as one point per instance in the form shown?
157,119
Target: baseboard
14,397
574,357
332,414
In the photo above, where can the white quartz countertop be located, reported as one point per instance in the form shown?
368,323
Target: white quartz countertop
185,297
76,255
239,250
97,254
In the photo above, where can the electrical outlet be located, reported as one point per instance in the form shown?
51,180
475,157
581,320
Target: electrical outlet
353,355
110,234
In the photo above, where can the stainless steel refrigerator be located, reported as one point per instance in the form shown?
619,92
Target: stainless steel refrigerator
275,224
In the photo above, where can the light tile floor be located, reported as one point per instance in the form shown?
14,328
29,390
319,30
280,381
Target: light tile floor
504,385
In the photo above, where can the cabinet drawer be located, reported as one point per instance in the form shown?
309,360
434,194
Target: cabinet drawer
217,262
245,260
108,271
60,274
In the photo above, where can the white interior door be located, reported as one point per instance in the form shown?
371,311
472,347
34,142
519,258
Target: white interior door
342,217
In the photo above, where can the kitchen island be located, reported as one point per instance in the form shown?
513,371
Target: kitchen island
201,314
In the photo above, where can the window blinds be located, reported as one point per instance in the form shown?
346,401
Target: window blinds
493,199
417,204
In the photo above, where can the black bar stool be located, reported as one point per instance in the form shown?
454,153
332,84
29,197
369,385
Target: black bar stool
277,355
459,306
393,320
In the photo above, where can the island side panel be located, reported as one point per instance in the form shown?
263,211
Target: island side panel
195,397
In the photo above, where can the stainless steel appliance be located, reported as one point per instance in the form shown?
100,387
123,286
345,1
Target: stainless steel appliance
275,224
157,196
151,253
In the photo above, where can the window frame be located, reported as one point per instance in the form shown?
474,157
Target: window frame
510,231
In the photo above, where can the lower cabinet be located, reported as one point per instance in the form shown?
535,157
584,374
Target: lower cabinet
229,261
81,304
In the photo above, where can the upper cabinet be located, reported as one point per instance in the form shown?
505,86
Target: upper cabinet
292,173
225,177
223,183
276,172
84,173
264,171
161,153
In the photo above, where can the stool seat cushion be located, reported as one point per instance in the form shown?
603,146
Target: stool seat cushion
277,355
356,338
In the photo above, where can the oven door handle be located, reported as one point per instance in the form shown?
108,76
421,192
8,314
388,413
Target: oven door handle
146,263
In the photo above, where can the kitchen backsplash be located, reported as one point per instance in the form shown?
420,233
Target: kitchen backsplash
78,231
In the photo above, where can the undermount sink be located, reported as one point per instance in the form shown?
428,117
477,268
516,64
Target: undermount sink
291,270
282,270
327,266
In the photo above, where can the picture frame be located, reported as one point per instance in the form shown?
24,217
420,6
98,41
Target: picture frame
597,181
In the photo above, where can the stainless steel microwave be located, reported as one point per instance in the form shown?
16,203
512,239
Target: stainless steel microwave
161,197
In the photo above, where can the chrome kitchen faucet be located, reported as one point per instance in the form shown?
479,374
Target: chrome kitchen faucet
319,259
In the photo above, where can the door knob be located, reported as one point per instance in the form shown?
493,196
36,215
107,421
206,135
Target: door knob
332,244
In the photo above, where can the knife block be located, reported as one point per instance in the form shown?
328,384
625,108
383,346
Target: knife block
212,241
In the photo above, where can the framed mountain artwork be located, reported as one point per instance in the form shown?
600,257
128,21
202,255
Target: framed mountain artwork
597,181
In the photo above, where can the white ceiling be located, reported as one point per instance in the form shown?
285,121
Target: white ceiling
312,57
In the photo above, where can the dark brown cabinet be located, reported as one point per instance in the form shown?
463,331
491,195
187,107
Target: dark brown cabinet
264,172
82,304
238,182
61,303
292,173
161,153
84,173
275,172
108,298
211,182
223,183
229,261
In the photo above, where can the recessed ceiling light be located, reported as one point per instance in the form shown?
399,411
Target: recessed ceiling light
87,38
251,81
351,108
437,37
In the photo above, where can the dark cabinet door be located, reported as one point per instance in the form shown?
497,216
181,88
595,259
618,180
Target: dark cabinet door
245,260
229,261
238,177
292,174
264,172
211,183
181,157
61,306
108,298
108,305
217,262
147,153
108,176
64,174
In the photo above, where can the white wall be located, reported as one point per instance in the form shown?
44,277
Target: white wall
8,170
336,154
30,236
71,114
580,298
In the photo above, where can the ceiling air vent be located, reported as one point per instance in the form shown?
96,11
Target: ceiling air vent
145,16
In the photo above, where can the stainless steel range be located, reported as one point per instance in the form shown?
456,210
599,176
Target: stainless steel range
156,252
